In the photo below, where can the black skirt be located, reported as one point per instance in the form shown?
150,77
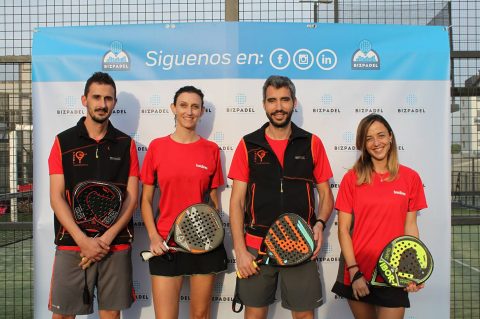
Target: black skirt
380,296
186,264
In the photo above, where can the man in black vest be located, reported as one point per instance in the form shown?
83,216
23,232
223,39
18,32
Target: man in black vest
275,170
93,150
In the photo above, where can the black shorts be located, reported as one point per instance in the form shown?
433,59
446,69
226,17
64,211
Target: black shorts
185,264
380,296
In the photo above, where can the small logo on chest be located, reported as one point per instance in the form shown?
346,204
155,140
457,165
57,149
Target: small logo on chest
201,166
399,193
78,157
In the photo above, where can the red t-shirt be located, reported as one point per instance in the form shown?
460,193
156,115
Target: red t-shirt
185,174
379,210
321,171
55,165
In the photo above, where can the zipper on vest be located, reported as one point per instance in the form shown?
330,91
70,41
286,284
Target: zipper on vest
281,185
96,152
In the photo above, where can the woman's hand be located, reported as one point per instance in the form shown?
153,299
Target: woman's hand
157,245
413,287
360,288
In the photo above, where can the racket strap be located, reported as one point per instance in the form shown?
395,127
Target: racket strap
236,299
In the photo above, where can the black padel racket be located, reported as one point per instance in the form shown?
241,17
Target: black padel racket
96,206
404,260
288,242
197,230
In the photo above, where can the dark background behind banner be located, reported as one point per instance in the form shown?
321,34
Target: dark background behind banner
18,19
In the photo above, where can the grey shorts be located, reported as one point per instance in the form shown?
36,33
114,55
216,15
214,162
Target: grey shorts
300,287
112,276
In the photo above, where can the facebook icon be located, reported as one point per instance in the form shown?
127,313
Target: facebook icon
280,59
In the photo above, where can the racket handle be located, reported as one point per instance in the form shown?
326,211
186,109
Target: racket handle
254,266
166,246
146,255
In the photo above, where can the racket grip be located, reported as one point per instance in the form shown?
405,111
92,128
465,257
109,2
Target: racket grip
146,255
254,266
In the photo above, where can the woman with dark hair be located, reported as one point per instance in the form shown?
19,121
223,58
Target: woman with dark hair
188,171
377,201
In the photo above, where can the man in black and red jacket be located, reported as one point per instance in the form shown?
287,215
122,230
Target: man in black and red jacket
276,170
93,150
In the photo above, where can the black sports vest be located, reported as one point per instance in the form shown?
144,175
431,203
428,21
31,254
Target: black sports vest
85,159
273,190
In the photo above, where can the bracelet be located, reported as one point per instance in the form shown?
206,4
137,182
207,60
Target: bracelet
324,225
352,266
357,276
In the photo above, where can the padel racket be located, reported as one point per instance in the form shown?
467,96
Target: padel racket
197,229
96,206
404,260
288,242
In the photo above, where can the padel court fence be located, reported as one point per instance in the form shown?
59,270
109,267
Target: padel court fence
19,18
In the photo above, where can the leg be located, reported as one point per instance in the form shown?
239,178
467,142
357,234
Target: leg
362,310
256,312
201,287
57,316
109,314
166,295
390,313
302,314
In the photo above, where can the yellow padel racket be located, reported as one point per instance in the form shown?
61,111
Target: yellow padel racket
404,260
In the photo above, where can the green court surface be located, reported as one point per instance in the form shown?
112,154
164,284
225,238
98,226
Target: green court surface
16,274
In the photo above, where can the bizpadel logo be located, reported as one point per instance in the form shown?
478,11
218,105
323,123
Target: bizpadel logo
365,58
141,293
348,142
241,105
219,138
411,105
71,106
369,105
154,106
326,106
116,59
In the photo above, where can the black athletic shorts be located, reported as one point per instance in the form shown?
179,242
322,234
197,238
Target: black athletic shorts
380,296
185,264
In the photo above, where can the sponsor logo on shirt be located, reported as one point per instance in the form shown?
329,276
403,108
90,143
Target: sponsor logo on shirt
201,166
299,157
112,158
259,155
399,193
78,157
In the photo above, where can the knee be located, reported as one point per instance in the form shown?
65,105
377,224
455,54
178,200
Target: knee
109,314
302,315
200,314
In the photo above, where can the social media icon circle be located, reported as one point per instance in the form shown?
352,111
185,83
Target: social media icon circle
303,59
280,59
326,59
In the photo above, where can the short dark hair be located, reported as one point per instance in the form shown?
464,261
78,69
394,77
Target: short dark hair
187,89
278,81
100,78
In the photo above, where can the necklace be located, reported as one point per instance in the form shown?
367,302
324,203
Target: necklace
383,176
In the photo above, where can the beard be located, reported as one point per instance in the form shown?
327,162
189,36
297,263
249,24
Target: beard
100,118
282,124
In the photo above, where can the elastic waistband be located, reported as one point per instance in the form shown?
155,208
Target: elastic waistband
114,248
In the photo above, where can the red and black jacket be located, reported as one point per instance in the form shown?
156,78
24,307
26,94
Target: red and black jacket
83,159
273,190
